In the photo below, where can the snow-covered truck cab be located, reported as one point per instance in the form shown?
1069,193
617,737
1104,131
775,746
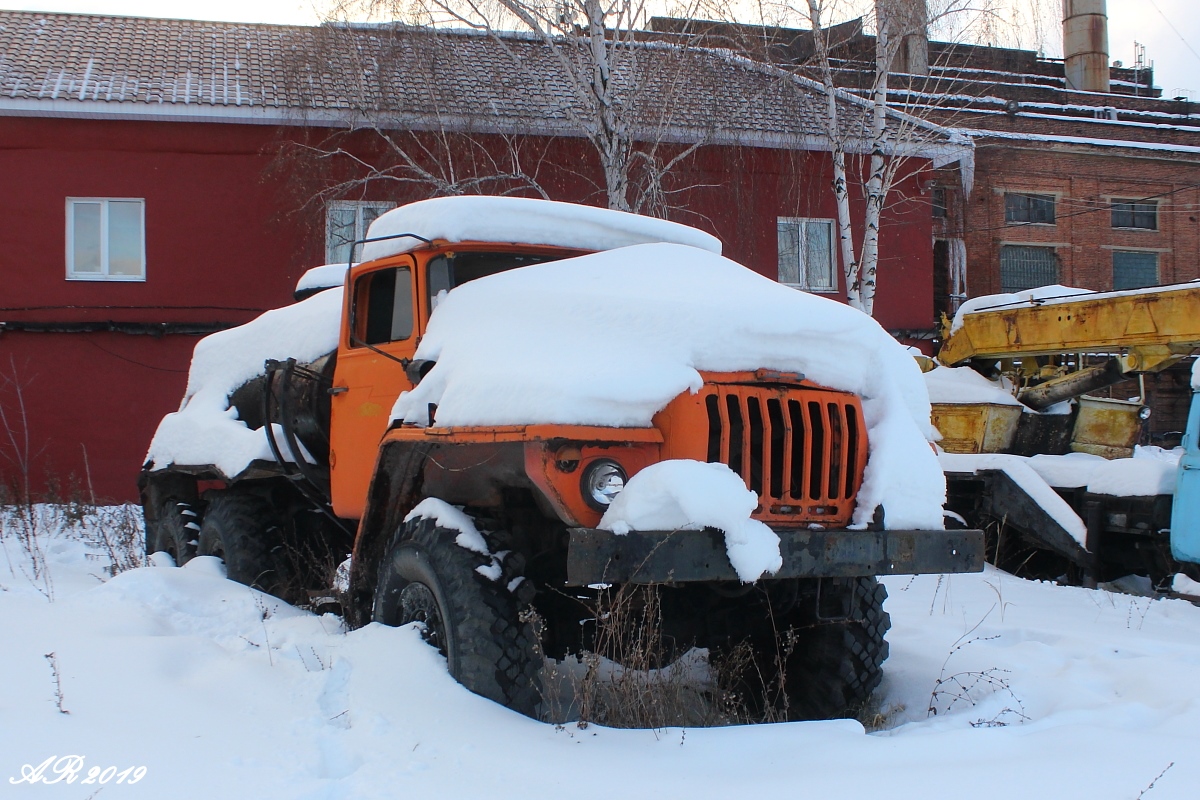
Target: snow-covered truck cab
386,311
600,400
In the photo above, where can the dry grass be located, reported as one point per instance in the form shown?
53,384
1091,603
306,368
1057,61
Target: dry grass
633,677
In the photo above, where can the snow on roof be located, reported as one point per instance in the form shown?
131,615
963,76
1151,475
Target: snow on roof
993,302
611,338
965,385
324,277
98,66
1131,143
206,430
522,220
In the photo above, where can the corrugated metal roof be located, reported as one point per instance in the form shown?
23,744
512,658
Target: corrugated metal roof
89,65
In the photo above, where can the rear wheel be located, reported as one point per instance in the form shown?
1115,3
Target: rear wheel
472,620
242,529
175,532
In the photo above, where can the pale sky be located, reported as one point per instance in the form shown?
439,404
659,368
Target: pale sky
1170,29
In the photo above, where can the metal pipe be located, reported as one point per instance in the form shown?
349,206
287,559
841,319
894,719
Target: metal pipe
1056,390
1085,45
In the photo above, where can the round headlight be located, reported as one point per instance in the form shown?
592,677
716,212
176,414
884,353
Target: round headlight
1143,413
602,481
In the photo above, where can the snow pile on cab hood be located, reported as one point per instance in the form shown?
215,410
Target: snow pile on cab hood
206,430
689,495
609,339
965,385
525,221
991,302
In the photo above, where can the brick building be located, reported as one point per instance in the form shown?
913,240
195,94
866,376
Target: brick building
1084,175
1096,187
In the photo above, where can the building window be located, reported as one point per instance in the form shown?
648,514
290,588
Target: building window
1133,214
1023,267
806,256
346,222
106,239
939,203
1134,269
1036,209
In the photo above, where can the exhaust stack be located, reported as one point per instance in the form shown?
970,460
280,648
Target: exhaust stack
1085,44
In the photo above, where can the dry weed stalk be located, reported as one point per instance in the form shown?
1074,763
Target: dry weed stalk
634,676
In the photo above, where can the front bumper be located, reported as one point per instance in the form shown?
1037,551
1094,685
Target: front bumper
597,556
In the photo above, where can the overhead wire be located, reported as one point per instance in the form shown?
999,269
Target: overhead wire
1171,25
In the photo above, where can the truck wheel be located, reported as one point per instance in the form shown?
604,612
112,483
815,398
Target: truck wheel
175,532
815,668
473,621
241,529
835,666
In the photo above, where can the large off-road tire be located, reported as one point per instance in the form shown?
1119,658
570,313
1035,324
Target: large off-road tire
175,532
473,621
242,529
815,665
836,665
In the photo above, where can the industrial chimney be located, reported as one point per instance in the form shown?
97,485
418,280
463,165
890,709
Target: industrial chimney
1085,44
908,21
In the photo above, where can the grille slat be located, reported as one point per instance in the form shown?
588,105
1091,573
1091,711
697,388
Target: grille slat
798,449
733,450
753,452
835,463
776,442
852,466
817,451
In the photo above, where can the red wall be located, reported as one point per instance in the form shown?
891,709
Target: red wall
222,241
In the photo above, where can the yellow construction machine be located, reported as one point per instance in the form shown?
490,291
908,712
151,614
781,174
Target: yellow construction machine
1058,348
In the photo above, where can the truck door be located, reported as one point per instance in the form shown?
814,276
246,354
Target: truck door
379,334
1185,510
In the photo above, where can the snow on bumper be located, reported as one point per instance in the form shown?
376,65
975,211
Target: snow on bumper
682,556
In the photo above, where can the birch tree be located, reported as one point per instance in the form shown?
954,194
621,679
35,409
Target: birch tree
896,23
410,144
596,53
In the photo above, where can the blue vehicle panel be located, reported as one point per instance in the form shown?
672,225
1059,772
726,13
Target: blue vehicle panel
1185,511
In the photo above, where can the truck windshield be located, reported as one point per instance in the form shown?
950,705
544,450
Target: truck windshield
454,269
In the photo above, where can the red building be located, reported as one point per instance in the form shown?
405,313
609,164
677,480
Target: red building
161,183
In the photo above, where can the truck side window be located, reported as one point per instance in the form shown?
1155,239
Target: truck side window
440,278
384,306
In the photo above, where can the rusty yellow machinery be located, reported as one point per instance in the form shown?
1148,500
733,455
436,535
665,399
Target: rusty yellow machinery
1054,349
1142,330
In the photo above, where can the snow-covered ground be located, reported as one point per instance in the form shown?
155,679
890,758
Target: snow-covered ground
219,691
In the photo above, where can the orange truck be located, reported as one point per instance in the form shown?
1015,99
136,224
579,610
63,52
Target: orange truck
520,504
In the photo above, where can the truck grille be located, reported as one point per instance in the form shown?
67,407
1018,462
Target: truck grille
801,451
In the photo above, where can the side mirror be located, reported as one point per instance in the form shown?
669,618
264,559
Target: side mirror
416,370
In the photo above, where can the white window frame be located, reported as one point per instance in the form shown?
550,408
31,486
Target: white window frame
103,274
360,230
802,250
